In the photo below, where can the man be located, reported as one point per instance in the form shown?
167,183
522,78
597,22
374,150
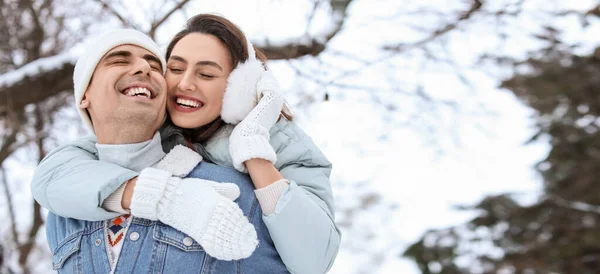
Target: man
121,94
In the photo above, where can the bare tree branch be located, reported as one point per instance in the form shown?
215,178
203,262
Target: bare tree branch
303,74
46,84
26,248
475,6
311,16
11,210
8,147
36,88
574,205
159,22
121,18
315,46
37,35
8,144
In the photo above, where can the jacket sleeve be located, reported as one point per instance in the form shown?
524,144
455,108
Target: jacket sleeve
72,183
303,226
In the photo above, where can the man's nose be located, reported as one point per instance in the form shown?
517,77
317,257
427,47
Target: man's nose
141,66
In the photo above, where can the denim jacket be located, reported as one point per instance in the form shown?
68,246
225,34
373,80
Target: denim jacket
302,228
152,247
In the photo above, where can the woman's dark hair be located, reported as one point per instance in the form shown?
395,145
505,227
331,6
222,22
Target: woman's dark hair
235,41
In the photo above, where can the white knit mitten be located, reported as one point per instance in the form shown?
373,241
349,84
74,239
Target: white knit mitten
250,138
202,209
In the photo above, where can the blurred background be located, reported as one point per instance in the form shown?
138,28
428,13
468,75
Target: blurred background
462,132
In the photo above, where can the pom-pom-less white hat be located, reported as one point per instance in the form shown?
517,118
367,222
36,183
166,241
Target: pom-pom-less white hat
93,53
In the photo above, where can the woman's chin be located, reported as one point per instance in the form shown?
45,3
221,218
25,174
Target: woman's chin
186,122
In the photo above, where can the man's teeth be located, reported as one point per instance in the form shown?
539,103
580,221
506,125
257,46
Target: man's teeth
188,103
138,92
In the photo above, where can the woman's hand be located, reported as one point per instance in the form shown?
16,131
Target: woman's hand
250,138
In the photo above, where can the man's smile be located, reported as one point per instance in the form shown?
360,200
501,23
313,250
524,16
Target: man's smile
144,92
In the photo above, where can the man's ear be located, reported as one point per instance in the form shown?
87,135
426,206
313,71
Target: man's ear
85,103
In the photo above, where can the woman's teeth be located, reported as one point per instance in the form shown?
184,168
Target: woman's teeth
138,92
187,103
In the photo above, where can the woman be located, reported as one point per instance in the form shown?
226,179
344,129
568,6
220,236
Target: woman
209,64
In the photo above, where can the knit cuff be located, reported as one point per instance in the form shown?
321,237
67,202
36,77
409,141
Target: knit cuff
251,147
170,190
113,201
180,161
148,191
269,196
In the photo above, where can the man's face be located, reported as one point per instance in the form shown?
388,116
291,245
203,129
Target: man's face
127,89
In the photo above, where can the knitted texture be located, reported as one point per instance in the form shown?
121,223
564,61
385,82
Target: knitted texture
214,221
230,191
114,232
202,209
113,201
250,138
180,161
269,196
148,191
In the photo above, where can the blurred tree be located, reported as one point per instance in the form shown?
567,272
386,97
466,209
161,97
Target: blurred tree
558,233
30,30
37,71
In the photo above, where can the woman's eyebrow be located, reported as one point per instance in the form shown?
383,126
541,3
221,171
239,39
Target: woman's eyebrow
199,63
177,58
209,63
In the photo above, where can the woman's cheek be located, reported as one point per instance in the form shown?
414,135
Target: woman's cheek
171,81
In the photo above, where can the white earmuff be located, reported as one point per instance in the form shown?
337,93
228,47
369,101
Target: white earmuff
241,95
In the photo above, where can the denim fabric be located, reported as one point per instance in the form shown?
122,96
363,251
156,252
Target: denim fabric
153,247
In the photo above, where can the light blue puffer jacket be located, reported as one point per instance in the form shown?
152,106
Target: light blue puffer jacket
71,183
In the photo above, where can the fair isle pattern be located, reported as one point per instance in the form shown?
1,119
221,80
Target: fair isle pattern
116,229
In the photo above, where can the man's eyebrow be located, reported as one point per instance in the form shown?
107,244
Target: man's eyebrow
151,58
199,63
118,53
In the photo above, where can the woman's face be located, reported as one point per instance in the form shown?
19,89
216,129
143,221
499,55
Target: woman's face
197,73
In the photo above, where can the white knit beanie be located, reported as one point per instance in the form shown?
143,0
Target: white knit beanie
93,53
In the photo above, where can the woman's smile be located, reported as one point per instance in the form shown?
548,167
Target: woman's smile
186,104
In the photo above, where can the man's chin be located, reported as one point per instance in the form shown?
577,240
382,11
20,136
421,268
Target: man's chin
144,105
137,100
143,116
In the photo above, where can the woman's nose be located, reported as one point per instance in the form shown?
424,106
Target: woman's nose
187,82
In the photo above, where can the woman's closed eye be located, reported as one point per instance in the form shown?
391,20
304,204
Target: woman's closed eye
207,76
175,70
